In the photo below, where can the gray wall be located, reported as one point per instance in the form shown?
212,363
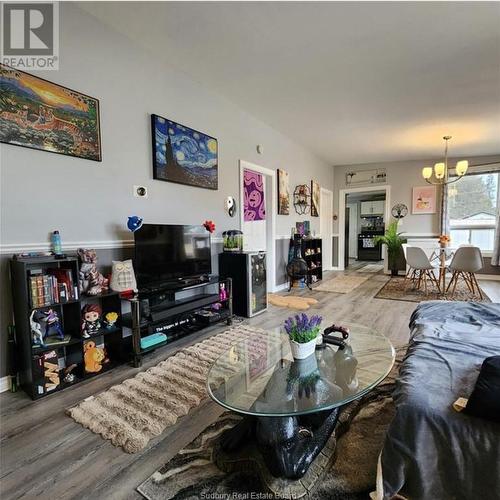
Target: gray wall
88,202
402,176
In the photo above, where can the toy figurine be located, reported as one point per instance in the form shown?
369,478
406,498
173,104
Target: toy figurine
134,223
222,292
90,280
91,320
52,324
36,331
110,319
69,377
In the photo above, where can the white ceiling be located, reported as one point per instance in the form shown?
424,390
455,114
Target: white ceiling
354,82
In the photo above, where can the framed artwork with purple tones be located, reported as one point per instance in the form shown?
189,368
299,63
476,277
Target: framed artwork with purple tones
254,205
283,192
315,194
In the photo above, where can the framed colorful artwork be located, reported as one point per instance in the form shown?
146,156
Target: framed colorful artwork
254,204
424,200
283,192
315,194
38,114
183,155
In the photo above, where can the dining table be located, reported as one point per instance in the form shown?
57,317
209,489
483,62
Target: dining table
443,256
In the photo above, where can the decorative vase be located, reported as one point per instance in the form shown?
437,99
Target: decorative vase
302,351
443,244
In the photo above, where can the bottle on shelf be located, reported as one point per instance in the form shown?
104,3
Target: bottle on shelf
56,243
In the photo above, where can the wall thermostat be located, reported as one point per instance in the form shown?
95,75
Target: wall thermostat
140,191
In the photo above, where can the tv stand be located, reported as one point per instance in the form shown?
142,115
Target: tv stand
157,310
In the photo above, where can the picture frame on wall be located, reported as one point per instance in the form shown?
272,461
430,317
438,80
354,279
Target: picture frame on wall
283,192
38,114
183,155
424,200
315,196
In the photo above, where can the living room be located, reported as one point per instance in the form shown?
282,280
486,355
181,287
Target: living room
250,248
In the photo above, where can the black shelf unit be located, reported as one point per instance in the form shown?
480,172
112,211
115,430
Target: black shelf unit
176,318
31,358
312,253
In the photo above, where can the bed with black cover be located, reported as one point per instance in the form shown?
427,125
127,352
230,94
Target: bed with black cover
431,451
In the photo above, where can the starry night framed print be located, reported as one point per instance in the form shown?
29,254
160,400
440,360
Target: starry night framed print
183,155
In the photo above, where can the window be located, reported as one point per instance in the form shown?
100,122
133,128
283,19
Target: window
472,208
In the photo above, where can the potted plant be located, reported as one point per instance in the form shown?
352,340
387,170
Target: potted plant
393,240
303,332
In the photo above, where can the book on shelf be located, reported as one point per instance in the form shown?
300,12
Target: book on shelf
52,287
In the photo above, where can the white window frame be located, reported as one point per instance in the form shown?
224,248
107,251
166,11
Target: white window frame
471,224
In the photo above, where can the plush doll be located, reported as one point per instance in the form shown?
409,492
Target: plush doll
222,292
90,280
123,277
91,320
93,357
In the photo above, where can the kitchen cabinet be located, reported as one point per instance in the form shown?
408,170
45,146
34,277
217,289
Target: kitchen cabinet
372,207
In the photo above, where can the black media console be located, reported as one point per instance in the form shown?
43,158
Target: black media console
176,310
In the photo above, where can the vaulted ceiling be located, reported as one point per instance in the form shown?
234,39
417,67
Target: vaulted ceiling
353,82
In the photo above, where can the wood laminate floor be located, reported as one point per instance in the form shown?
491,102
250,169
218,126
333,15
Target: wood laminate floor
44,453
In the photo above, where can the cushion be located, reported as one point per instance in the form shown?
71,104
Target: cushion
484,401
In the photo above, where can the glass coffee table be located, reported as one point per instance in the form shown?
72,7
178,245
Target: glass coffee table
291,407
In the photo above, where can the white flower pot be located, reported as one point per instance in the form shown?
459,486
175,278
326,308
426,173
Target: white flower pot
302,351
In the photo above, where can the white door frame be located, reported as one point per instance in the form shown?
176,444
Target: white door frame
329,265
271,217
387,216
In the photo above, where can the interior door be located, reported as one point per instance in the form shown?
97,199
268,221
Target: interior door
326,227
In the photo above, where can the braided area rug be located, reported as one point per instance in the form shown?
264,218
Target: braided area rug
131,413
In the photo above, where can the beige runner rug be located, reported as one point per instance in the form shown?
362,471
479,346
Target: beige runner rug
341,284
140,408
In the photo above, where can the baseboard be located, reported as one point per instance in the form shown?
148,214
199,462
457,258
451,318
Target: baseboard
489,277
4,384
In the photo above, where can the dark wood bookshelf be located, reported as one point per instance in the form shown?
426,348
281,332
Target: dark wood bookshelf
30,357
312,252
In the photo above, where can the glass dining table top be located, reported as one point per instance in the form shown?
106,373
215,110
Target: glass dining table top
258,376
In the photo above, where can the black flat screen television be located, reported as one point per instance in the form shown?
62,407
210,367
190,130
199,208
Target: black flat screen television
166,253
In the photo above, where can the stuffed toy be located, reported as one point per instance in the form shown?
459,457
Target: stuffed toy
90,280
93,357
123,277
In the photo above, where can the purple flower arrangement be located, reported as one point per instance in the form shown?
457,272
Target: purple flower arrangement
302,329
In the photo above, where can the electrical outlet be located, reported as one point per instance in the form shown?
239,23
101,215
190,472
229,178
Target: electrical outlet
140,191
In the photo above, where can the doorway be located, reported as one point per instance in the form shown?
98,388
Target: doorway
260,235
326,227
363,213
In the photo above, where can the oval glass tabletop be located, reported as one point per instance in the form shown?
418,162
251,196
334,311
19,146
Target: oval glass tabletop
258,376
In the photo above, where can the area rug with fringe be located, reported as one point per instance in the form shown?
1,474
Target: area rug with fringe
131,413
350,475
341,284
397,289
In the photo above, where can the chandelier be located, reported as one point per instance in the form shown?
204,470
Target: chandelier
439,175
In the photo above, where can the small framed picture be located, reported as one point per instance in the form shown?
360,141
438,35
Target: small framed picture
424,200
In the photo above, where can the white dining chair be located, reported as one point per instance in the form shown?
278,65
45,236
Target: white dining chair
466,262
421,268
